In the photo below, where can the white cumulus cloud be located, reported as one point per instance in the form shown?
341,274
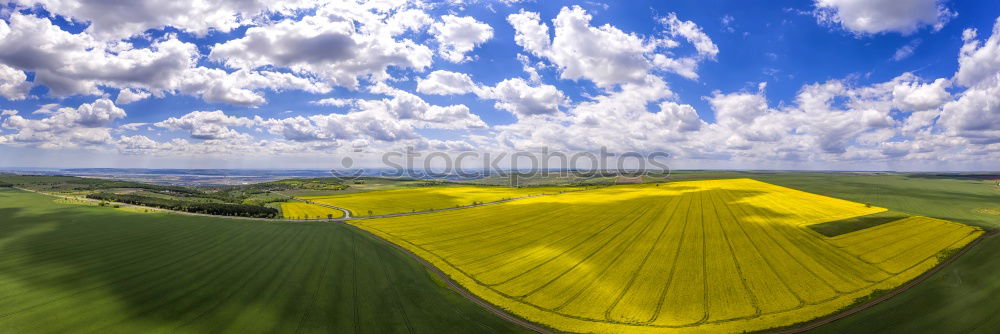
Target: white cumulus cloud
14,84
122,19
207,124
976,114
126,96
340,45
442,82
520,98
605,54
334,102
83,126
77,64
878,16
457,36
692,33
978,61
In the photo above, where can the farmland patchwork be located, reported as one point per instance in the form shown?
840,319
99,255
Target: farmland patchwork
409,200
708,256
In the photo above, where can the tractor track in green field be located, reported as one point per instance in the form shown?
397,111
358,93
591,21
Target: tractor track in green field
430,267
895,292
354,283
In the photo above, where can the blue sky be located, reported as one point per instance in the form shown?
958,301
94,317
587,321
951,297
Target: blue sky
827,84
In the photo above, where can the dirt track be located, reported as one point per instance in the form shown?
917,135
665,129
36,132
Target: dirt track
347,213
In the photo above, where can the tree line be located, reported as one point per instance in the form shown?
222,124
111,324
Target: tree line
219,209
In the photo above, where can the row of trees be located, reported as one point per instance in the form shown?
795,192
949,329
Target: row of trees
220,209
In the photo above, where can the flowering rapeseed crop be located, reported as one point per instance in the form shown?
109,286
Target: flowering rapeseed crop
703,256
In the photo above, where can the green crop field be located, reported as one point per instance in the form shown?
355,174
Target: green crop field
75,268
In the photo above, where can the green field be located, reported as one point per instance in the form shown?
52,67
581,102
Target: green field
77,268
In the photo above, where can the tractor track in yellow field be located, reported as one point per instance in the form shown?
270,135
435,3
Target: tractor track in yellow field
895,292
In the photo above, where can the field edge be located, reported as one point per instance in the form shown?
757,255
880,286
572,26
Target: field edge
457,287
860,306
764,323
567,324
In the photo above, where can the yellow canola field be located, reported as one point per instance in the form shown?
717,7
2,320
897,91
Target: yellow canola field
424,199
700,256
299,210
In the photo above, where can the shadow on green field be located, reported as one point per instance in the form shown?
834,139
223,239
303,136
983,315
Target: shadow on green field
91,269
